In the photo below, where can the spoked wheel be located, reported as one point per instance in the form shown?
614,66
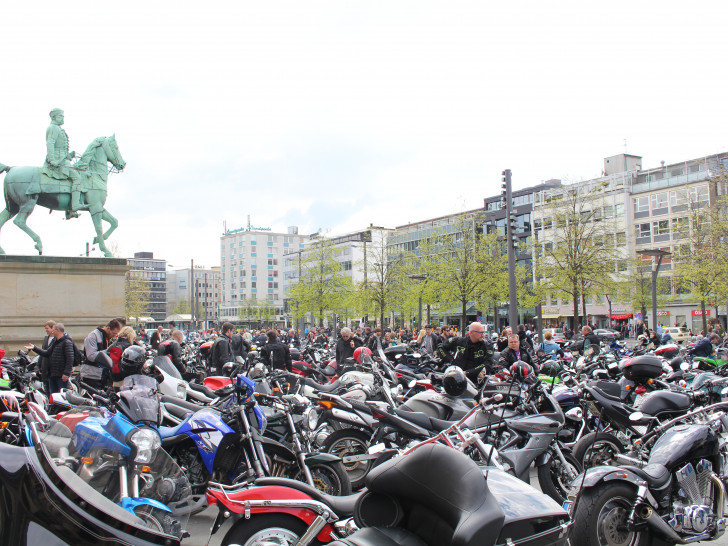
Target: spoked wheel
601,518
329,478
597,448
555,478
348,442
266,530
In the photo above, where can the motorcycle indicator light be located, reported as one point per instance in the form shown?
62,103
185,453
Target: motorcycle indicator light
3,424
146,469
650,381
328,404
87,460
628,387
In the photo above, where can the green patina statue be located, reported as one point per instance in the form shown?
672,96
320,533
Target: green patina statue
61,185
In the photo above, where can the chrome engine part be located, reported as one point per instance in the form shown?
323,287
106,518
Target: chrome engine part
693,507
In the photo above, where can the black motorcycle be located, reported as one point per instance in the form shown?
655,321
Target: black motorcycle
673,493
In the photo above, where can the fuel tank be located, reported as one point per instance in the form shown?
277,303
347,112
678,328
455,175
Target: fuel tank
685,443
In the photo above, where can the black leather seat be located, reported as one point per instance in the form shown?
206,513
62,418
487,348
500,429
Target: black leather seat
665,402
444,498
423,420
657,476
343,506
204,390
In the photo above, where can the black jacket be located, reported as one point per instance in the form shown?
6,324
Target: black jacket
43,361
344,349
239,346
277,355
60,356
173,350
508,358
468,355
221,352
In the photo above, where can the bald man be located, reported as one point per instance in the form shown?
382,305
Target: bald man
473,353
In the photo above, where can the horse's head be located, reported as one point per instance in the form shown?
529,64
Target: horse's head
112,153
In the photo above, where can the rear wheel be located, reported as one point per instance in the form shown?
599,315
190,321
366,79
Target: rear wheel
597,448
601,518
329,478
348,442
266,529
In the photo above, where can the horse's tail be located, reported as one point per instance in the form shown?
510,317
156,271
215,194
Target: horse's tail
10,204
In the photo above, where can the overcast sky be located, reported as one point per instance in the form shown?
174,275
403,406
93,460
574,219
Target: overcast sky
339,114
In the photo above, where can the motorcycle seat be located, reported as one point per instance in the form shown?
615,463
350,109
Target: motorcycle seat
380,536
189,406
328,387
343,506
665,401
203,389
423,420
657,476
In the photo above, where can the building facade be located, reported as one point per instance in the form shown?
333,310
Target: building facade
200,293
251,274
154,272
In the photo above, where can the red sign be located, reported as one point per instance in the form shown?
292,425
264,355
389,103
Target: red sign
663,313
699,313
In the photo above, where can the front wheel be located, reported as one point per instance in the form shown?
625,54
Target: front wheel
597,448
555,478
159,520
330,478
601,518
348,442
278,529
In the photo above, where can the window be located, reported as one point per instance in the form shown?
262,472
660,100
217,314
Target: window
660,228
619,209
621,238
680,227
698,194
659,203
608,211
643,233
678,199
253,284
346,266
641,206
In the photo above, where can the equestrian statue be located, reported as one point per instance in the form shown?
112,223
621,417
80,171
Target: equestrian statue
62,185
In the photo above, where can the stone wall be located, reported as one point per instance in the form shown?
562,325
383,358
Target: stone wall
82,293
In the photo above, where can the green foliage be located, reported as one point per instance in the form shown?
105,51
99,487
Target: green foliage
182,308
136,297
323,286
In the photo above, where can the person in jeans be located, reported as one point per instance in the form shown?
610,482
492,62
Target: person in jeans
60,358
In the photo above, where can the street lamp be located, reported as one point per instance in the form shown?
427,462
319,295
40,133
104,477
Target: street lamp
611,320
659,254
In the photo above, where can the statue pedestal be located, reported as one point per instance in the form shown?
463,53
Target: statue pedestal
82,293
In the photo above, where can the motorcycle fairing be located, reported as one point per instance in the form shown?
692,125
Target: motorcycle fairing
98,432
130,503
606,473
207,430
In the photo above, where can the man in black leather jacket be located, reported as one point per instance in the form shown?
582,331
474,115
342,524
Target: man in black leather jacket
221,351
172,348
239,346
472,353
513,353
275,354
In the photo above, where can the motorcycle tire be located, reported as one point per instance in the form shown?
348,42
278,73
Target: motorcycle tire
331,478
346,442
601,514
159,520
552,480
605,446
265,529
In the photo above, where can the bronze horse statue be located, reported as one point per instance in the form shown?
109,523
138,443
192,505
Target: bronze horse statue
26,187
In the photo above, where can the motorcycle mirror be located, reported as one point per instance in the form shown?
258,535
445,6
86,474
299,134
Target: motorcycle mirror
412,384
684,366
696,365
636,416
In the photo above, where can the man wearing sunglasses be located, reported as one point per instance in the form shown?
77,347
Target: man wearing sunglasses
473,353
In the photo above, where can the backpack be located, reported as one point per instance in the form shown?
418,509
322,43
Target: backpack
76,354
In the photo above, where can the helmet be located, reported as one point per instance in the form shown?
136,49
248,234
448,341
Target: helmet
454,381
520,370
642,338
132,360
362,354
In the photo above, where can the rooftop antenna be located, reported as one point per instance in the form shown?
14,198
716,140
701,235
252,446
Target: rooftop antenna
248,222
625,145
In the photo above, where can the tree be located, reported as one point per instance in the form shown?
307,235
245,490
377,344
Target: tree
386,275
575,258
323,285
137,296
182,308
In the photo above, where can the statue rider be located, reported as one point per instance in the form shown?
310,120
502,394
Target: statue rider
57,164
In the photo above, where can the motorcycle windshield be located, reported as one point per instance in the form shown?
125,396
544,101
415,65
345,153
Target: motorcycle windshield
139,399
165,364
153,496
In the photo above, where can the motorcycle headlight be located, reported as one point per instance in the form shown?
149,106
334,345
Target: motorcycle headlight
310,418
181,390
146,442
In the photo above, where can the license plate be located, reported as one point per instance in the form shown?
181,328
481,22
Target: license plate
567,505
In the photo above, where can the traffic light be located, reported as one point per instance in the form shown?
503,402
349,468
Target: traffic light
504,189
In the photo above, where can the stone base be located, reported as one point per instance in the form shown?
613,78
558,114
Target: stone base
82,293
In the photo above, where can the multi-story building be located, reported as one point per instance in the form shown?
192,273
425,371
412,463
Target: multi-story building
154,272
202,295
645,210
251,273
352,250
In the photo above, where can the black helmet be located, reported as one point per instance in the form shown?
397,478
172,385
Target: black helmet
454,381
132,360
